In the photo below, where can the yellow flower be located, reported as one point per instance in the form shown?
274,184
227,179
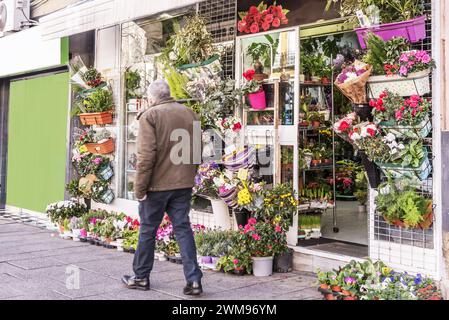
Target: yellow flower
83,149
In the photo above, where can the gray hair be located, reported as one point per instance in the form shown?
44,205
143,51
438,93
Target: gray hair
158,91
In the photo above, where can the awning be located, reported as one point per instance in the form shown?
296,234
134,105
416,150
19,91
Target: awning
97,14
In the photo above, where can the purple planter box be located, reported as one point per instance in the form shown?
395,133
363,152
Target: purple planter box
414,30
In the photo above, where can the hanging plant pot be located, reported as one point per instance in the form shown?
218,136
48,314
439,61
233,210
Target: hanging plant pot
422,172
101,148
96,118
107,197
421,130
106,172
413,30
417,83
371,169
221,214
241,216
364,111
258,100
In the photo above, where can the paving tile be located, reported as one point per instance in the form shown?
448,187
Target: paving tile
35,263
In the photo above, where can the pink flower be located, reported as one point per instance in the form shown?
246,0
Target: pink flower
254,28
398,115
252,221
276,22
278,229
236,261
256,237
425,58
403,70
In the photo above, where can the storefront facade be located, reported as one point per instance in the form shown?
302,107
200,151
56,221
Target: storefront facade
122,30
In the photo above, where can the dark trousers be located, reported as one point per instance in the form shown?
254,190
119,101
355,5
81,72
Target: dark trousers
176,204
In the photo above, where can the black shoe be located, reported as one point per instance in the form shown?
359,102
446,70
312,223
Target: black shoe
136,284
193,289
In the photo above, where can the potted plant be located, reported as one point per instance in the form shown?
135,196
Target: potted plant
76,226
361,185
403,18
101,192
96,107
131,239
98,142
315,118
323,280
261,51
133,80
60,213
254,91
260,239
131,190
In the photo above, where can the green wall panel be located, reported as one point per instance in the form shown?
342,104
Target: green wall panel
37,141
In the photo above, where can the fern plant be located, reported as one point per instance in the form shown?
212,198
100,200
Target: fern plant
177,83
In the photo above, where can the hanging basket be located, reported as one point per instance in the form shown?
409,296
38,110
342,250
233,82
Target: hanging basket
106,172
422,172
421,130
101,148
424,225
413,30
417,83
107,197
363,111
97,118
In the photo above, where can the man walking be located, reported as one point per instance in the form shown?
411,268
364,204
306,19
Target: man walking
163,184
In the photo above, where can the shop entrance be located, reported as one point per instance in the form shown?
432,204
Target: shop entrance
296,67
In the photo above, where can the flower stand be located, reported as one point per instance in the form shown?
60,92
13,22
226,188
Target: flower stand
415,132
413,30
221,214
262,266
417,83
422,172
105,147
97,118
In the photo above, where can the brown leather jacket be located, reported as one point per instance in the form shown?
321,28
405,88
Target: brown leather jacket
157,168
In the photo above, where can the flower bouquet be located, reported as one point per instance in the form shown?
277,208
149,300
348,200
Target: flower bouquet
344,126
204,180
229,129
352,81
262,17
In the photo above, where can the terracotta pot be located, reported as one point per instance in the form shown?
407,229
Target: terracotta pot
329,296
304,124
349,298
346,293
336,288
316,124
325,80
324,286
428,217
315,162
96,118
101,148
328,161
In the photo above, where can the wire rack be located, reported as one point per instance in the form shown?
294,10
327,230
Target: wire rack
222,20
411,248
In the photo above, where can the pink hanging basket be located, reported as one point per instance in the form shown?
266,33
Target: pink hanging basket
258,100
413,30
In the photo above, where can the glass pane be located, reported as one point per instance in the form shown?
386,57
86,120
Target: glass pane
287,164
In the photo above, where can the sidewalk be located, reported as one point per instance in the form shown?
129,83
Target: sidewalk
34,262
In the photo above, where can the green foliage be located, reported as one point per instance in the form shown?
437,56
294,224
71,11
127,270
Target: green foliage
99,100
215,243
361,186
309,221
413,154
133,80
131,239
259,51
60,211
177,83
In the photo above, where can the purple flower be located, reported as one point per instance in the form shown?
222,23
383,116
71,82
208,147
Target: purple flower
339,60
403,70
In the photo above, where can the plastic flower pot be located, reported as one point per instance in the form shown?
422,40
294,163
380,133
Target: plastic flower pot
206,260
97,118
262,266
241,216
101,148
413,30
421,130
364,111
221,214
106,172
283,262
371,169
421,172
416,83
258,100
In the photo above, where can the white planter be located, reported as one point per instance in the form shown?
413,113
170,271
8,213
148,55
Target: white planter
221,214
76,233
362,208
119,244
262,267
316,233
416,83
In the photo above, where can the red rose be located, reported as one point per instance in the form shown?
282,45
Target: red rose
253,10
249,74
254,28
265,26
343,126
372,103
237,127
284,21
371,132
269,18
242,26
276,22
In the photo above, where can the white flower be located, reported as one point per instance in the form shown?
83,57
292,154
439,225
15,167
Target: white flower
390,137
355,136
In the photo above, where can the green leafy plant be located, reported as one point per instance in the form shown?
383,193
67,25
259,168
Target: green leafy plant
264,52
99,100
177,83
60,211
131,239
133,80
361,186
413,154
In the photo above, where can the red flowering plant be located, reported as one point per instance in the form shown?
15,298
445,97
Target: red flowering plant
345,125
251,85
262,238
262,18
393,108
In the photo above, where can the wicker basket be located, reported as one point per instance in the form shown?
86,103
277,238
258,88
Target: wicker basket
101,148
97,118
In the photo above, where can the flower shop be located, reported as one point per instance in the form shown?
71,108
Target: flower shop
317,140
